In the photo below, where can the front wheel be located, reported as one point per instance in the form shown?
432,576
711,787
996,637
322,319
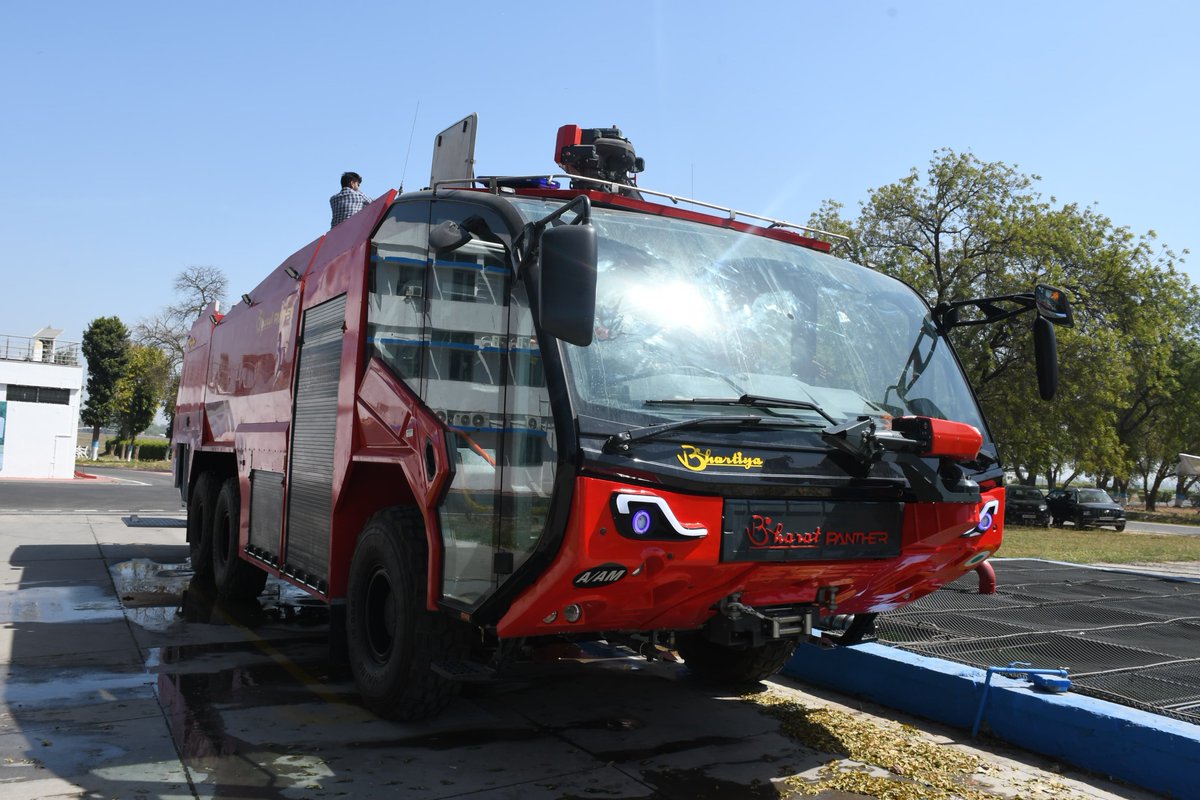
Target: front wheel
722,664
393,640
1120,527
1079,521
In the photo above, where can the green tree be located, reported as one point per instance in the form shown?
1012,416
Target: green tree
1170,428
968,228
106,349
139,392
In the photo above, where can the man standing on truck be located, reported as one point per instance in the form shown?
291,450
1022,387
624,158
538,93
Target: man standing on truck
349,201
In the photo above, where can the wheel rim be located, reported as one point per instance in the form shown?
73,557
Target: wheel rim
380,616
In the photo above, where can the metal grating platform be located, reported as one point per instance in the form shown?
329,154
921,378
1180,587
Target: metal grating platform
1129,639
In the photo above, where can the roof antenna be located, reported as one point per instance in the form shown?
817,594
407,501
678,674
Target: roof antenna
409,150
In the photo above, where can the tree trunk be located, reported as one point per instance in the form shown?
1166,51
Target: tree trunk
1150,499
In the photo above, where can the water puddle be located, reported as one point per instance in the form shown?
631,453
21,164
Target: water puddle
159,596
696,784
81,603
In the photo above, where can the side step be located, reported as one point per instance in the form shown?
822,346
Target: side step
464,671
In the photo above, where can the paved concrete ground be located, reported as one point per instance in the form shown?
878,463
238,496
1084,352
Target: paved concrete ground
121,680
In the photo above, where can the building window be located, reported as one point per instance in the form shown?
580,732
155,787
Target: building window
39,394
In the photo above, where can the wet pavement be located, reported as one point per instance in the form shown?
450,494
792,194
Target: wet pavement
122,678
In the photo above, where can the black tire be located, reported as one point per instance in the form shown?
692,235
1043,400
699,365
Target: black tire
1079,521
392,639
1120,526
236,578
201,504
728,665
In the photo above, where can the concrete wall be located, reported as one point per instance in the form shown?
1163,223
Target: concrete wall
39,438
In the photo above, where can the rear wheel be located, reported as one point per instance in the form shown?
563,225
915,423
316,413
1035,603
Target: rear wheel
722,664
393,640
201,505
236,578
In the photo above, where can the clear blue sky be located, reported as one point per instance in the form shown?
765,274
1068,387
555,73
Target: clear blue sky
137,139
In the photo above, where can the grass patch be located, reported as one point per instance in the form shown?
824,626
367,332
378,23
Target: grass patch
1101,546
112,462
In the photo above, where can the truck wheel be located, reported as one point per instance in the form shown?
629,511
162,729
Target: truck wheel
393,640
1120,526
201,505
236,578
721,664
1079,521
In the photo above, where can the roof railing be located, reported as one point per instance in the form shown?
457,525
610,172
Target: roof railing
44,351
494,184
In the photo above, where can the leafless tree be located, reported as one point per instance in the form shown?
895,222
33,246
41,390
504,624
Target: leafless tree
195,288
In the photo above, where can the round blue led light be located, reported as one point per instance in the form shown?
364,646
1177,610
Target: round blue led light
641,522
985,521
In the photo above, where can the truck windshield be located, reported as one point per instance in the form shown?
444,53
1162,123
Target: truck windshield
687,310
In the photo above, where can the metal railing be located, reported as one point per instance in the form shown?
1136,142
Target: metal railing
494,183
45,351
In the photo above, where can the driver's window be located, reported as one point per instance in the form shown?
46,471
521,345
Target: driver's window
396,291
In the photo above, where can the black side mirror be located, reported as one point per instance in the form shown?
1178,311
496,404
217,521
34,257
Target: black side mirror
1045,352
448,236
1052,304
567,283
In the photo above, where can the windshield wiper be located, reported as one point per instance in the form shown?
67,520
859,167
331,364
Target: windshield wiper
750,400
621,442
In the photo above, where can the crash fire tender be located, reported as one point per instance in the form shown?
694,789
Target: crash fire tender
505,411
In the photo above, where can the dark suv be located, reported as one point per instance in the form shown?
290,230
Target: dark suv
1085,508
1025,505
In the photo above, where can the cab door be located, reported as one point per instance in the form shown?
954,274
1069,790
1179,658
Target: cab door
483,376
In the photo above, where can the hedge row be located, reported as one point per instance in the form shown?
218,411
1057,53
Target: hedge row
148,449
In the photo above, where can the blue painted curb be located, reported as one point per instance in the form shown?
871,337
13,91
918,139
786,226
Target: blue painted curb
1148,750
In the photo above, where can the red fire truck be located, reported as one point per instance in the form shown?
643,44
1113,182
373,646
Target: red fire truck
505,411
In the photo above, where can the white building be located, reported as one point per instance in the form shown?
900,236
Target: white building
40,383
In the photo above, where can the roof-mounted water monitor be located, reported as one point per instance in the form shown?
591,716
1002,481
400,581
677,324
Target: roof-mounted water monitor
601,153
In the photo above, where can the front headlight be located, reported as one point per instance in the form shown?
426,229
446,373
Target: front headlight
1042,507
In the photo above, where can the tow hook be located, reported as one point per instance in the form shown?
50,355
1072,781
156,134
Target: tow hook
733,610
827,597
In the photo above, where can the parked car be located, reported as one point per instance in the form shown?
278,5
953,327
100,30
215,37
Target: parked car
1025,505
1085,508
